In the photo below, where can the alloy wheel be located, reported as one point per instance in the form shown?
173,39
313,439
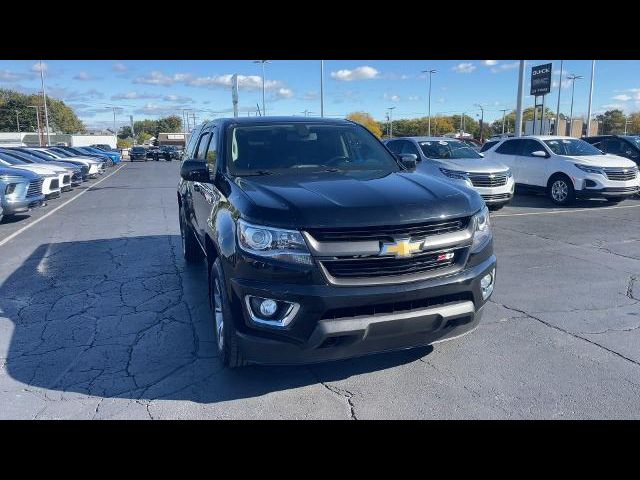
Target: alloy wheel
559,191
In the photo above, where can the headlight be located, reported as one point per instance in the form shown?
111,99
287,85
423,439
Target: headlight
454,174
482,230
276,243
587,169
509,174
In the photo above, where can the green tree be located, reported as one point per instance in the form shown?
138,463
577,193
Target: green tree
142,137
366,120
61,117
612,122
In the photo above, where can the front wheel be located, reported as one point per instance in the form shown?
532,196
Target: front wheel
227,346
561,190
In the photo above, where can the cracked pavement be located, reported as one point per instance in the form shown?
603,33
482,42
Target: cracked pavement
100,318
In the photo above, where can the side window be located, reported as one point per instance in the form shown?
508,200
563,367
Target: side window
509,147
395,146
190,149
212,151
487,146
614,146
202,146
530,146
409,147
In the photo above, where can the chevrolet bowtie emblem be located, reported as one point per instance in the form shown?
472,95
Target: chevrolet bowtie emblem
401,248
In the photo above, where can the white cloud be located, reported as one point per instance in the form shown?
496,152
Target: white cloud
612,106
36,67
8,76
133,96
360,73
392,97
248,82
464,68
119,67
311,95
505,66
622,98
83,76
158,78
490,63
284,93
177,98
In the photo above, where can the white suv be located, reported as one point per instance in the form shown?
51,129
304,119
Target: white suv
566,168
453,160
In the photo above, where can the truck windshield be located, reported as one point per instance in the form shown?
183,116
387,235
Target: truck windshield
297,147
447,150
572,147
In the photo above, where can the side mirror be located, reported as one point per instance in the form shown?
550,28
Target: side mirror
195,171
539,153
409,160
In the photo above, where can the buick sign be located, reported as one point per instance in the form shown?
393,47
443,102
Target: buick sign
541,80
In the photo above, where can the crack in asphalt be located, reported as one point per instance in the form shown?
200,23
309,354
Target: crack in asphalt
575,335
341,392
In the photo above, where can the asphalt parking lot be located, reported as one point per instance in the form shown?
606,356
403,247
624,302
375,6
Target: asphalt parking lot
101,318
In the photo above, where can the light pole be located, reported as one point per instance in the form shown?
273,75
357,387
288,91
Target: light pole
518,125
593,68
555,127
17,121
504,111
391,121
37,107
263,83
322,88
44,98
626,122
430,72
573,79
481,119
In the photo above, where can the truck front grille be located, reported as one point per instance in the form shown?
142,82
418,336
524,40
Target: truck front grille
496,196
369,267
388,233
621,174
35,188
488,179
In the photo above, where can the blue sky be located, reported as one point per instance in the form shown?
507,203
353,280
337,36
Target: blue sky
152,88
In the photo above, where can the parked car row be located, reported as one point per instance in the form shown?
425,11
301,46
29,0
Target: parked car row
564,168
165,152
29,176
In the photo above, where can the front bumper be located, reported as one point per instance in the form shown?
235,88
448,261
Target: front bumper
610,192
12,207
449,306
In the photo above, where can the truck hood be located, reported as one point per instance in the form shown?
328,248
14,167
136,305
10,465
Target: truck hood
40,169
358,198
475,165
16,172
606,160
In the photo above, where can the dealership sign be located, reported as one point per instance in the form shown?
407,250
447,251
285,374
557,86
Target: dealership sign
541,80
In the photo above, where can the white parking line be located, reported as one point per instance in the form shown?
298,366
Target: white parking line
35,222
577,210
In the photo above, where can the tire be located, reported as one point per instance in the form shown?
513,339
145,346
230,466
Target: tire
190,248
560,190
227,346
494,208
615,200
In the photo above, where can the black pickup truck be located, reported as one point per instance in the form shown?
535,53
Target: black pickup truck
321,244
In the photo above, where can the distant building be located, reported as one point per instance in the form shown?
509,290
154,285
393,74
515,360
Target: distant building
177,139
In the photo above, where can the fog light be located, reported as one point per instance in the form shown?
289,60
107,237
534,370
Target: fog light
268,308
487,284
10,189
266,311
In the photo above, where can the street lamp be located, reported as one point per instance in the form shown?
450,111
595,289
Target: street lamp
390,109
44,100
430,72
504,111
37,107
573,79
481,119
262,62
